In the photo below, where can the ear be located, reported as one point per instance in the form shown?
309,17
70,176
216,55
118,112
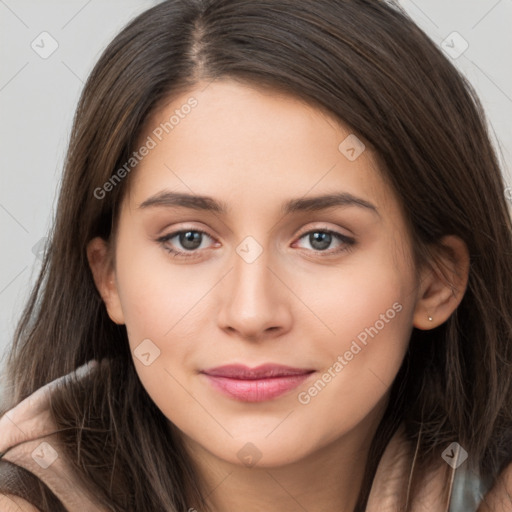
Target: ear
103,271
443,284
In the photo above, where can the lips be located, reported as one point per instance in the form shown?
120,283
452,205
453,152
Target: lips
265,371
258,384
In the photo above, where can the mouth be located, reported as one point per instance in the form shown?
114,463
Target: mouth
258,384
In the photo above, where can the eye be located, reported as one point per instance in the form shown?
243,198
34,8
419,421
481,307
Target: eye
186,243
320,240
187,240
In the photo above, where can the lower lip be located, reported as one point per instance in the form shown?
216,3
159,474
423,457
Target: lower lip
258,390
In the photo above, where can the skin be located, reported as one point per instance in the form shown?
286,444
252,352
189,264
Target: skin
298,305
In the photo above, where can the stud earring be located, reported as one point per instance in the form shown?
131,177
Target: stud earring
430,319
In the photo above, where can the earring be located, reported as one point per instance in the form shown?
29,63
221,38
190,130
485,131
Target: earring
430,319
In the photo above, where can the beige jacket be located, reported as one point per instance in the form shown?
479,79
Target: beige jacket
446,490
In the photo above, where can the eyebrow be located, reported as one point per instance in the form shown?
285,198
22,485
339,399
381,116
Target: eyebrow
206,203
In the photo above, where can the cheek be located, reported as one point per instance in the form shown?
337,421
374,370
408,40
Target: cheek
368,307
158,297
164,315
351,297
167,303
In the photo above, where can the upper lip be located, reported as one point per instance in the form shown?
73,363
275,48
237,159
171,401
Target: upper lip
264,371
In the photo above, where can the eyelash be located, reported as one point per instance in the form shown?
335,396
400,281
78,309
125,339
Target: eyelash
347,241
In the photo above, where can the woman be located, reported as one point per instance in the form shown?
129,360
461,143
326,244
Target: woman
279,277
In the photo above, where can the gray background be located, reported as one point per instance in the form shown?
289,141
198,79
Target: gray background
38,97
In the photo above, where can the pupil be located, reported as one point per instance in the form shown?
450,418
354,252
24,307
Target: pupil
320,240
190,239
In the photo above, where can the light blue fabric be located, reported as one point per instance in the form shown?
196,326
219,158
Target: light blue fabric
468,491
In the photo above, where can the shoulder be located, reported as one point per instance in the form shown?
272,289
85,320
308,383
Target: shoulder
10,503
32,456
31,417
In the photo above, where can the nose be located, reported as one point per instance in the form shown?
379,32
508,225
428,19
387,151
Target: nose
254,302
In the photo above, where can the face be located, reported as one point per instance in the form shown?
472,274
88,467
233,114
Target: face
261,271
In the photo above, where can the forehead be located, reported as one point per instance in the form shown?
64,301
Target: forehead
231,140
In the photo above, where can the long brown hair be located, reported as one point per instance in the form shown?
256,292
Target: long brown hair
368,64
